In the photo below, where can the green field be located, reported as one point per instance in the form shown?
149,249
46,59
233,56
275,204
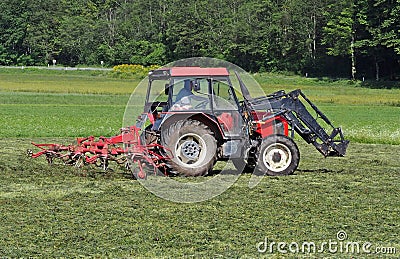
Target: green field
58,211
64,81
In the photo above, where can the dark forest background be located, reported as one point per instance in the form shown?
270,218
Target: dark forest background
338,38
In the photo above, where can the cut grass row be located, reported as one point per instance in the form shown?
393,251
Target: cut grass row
54,212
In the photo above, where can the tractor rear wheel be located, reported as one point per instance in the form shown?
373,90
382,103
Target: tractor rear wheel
278,155
191,146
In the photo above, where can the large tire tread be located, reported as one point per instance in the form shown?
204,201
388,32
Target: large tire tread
171,134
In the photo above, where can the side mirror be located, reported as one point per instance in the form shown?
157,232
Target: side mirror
166,89
196,85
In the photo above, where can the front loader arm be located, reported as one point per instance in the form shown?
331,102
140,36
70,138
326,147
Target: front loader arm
309,129
290,106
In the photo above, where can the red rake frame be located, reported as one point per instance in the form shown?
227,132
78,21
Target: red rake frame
89,151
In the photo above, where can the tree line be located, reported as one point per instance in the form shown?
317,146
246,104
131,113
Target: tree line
346,38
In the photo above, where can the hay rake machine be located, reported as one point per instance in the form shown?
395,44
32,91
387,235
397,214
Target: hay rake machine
125,149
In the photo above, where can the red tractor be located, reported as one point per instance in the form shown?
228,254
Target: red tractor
194,116
200,117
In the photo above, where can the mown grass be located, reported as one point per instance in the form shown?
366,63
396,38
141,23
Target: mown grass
58,211
55,212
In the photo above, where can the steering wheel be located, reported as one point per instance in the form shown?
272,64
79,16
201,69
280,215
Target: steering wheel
201,105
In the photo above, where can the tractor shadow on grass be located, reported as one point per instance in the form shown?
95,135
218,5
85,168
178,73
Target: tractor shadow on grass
297,172
319,171
234,172
225,172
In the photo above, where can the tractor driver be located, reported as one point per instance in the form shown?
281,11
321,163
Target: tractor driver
186,91
185,97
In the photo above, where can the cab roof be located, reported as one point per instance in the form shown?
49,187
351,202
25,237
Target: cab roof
190,71
199,71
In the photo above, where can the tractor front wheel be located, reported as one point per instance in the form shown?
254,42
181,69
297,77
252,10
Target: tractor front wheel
278,156
191,146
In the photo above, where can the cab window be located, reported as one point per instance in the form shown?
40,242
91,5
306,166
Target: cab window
223,97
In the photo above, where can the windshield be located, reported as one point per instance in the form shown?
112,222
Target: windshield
190,94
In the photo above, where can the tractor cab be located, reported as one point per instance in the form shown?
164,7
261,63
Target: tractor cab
183,92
